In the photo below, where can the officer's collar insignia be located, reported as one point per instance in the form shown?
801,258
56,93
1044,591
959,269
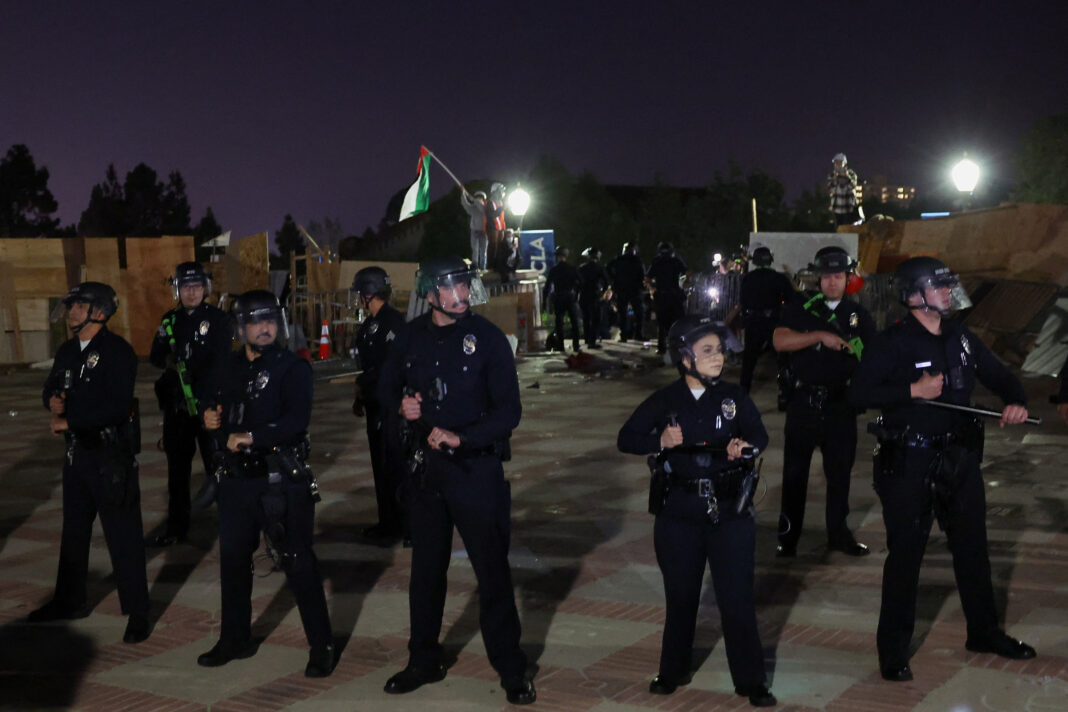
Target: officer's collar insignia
964,343
204,326
373,328
729,408
470,344
92,359
262,378
854,320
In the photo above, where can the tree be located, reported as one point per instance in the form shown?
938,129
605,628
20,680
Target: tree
1042,164
140,207
207,229
327,233
288,238
26,204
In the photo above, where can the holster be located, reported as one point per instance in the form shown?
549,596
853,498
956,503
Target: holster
659,485
972,436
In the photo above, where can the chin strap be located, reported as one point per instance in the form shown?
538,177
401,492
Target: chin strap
452,315
692,371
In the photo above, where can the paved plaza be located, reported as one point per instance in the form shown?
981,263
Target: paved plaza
587,585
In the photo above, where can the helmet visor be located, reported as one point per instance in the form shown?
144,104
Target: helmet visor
945,293
458,288
249,322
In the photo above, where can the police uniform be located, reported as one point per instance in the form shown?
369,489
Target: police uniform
201,340
465,374
686,535
627,274
271,398
592,285
820,415
373,340
763,294
669,301
561,290
927,465
99,470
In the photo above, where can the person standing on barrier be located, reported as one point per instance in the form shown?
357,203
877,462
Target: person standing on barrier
90,393
451,375
825,338
191,340
764,292
264,396
704,429
927,461
592,286
377,333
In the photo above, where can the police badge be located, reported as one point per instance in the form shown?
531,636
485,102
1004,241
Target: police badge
372,328
92,359
470,344
854,320
729,408
965,345
204,326
261,379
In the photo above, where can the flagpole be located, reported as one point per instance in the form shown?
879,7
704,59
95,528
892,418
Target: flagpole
446,169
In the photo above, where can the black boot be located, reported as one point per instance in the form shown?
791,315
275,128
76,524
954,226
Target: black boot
412,678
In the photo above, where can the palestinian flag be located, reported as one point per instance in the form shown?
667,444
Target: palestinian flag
417,198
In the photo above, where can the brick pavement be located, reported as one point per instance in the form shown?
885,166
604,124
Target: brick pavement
587,584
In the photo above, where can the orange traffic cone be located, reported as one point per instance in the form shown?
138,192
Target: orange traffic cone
324,343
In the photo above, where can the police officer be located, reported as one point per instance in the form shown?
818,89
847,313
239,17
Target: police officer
669,300
927,464
191,340
264,396
561,291
592,285
825,338
628,278
452,377
702,498
371,286
763,294
90,393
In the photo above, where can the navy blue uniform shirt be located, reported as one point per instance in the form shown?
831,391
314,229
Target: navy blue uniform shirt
270,397
203,338
764,289
465,372
817,365
98,381
899,356
373,340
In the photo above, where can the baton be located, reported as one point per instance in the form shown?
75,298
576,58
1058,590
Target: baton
977,411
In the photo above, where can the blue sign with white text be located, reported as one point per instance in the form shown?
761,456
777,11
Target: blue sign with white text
538,248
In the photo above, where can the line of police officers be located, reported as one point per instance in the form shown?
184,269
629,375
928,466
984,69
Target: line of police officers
448,381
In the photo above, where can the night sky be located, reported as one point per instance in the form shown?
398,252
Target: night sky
319,108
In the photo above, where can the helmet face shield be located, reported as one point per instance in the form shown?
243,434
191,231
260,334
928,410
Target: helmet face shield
457,291
944,293
249,326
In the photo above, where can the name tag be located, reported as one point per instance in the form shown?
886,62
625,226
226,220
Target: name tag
923,364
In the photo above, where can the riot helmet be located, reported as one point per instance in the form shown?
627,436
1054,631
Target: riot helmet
372,282
630,248
562,253
684,334
832,259
190,273
664,248
762,257
256,307
592,253
439,273
918,274
97,295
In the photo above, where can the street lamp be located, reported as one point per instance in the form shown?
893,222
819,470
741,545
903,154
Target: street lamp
519,203
965,176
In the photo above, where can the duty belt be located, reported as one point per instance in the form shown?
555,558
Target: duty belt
929,441
817,396
767,313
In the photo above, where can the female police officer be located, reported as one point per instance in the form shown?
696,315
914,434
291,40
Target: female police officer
703,427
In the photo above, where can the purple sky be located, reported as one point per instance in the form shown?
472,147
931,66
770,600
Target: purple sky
318,108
